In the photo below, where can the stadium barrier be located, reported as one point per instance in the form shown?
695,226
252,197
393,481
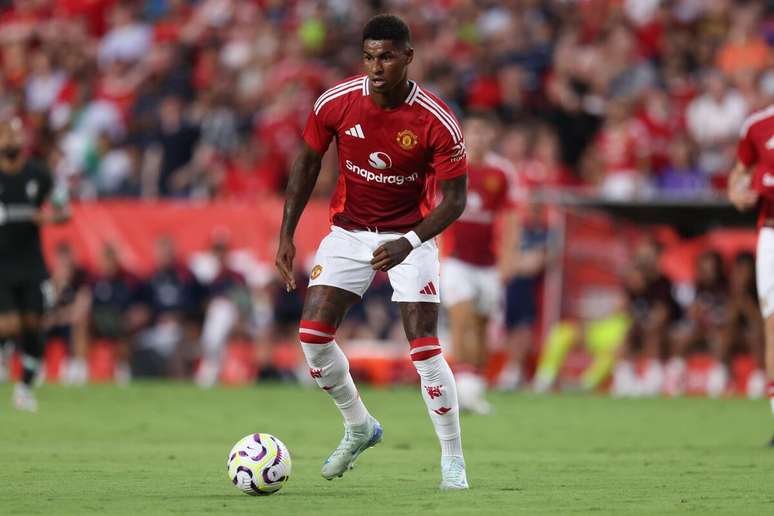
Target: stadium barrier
595,244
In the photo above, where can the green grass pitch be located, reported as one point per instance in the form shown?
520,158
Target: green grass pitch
161,449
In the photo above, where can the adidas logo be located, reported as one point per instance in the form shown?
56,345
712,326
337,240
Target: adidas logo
429,290
355,131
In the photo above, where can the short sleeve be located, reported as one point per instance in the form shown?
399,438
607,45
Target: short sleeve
317,133
448,159
745,150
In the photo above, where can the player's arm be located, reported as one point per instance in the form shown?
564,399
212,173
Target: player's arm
455,193
739,192
303,177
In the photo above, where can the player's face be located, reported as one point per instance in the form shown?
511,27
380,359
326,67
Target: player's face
386,63
11,139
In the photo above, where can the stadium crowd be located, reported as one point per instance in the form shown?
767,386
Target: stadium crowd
207,99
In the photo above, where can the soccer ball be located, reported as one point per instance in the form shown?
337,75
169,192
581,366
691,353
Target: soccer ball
259,464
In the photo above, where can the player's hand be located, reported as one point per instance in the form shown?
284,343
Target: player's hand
390,254
286,252
740,194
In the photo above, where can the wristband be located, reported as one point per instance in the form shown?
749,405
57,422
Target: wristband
413,239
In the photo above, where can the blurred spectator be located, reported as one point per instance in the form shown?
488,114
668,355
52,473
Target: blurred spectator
745,325
623,147
69,317
703,328
652,310
117,309
714,120
165,347
227,302
175,141
681,177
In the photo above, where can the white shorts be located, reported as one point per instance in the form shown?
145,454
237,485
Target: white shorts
461,281
764,270
344,257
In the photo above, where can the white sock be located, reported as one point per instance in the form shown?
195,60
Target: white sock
439,392
218,322
330,369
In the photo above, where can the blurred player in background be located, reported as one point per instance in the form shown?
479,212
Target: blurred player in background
25,288
522,266
751,183
470,282
396,143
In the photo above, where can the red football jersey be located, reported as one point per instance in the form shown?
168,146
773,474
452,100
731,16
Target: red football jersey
389,160
473,233
756,148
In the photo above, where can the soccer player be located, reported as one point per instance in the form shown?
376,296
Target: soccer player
396,142
470,282
751,183
25,290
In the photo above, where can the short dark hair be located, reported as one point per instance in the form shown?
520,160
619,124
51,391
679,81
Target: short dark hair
387,27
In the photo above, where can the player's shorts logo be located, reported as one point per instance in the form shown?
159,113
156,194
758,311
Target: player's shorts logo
379,160
407,139
316,270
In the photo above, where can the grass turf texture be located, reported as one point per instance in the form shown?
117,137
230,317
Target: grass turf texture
161,449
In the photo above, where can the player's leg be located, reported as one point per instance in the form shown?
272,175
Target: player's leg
764,277
769,357
520,314
487,300
34,297
414,284
340,277
9,328
458,296
439,389
324,309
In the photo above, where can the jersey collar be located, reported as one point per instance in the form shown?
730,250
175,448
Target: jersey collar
409,98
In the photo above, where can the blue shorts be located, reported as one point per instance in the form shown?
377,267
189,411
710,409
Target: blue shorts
520,303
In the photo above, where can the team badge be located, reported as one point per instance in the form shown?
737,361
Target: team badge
316,270
407,139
